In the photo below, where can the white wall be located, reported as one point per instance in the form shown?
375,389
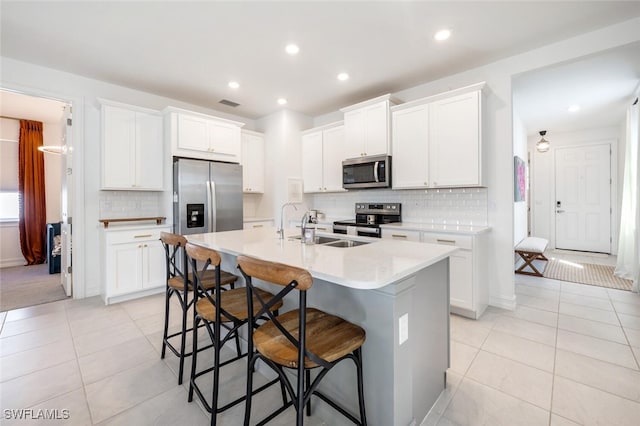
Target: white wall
84,93
282,160
520,219
10,252
497,136
543,178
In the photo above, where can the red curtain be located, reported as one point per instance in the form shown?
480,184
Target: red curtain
33,211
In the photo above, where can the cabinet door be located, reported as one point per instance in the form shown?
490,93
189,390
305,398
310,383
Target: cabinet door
332,156
410,147
460,279
312,162
252,163
454,142
118,148
354,133
127,272
225,140
153,264
193,133
149,152
376,129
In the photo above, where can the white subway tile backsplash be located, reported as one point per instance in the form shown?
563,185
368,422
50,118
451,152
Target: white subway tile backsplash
461,206
122,204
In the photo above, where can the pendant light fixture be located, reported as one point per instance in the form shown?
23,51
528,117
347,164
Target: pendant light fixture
542,145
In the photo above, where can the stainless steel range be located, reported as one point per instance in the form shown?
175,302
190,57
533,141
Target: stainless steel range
369,217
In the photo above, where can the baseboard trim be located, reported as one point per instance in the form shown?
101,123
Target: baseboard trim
8,263
502,302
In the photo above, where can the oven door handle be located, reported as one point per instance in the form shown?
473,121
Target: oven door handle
375,171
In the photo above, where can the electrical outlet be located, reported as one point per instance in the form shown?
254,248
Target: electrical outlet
403,329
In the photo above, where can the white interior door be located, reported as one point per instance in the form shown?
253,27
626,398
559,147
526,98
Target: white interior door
66,202
583,198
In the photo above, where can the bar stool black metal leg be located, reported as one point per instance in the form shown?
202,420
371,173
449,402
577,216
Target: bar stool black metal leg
194,356
183,339
167,295
216,370
308,378
358,355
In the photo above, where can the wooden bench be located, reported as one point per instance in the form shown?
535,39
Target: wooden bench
530,249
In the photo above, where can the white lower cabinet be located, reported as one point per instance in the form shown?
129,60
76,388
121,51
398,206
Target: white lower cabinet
469,289
133,263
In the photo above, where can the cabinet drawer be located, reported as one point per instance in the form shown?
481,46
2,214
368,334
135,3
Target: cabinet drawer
401,235
128,236
260,224
462,241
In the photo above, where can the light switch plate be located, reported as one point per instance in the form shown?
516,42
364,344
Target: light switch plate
403,328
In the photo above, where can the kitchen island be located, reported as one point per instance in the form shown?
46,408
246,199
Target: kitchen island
397,291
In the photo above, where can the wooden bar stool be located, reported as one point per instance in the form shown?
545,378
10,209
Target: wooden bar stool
180,284
300,340
228,309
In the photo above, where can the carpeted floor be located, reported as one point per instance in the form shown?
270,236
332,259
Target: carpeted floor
584,273
22,286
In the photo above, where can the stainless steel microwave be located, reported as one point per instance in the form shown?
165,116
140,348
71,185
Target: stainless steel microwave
367,172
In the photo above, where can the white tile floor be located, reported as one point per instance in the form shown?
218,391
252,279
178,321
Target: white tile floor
569,354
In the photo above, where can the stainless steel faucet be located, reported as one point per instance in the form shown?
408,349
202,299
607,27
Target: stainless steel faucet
303,225
281,229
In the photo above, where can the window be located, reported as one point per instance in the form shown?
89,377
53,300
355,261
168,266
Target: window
8,206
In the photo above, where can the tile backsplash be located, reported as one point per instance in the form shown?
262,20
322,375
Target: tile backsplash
460,206
123,204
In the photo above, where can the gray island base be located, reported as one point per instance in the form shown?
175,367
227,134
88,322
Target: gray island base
397,291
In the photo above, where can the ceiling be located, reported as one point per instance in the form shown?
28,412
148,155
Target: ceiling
189,51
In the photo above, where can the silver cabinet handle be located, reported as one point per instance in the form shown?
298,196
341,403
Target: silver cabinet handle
398,236
142,236
258,226
559,211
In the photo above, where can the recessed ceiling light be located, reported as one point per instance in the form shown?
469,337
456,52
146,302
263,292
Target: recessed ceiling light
292,49
442,35
234,84
574,108
343,76
282,101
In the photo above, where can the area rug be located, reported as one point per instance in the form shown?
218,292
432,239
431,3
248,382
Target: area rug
585,273
22,286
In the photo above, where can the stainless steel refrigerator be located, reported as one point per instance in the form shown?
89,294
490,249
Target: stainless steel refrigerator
207,196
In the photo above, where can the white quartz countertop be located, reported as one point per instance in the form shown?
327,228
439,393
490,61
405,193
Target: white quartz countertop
369,266
438,227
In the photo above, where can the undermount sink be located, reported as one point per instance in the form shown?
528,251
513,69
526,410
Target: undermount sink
346,243
333,242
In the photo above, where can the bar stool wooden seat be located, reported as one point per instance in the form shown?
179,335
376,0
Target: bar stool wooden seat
179,284
218,310
301,340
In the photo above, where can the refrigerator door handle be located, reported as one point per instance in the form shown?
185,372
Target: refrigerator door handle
212,206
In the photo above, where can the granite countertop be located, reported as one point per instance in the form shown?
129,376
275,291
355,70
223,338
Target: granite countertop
256,219
438,227
369,266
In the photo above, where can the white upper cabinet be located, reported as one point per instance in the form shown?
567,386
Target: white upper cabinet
132,148
367,128
455,141
322,155
252,162
437,141
410,167
195,135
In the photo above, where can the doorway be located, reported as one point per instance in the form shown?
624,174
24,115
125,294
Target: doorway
583,198
30,285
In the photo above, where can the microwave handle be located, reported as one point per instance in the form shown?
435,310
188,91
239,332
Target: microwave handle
375,171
